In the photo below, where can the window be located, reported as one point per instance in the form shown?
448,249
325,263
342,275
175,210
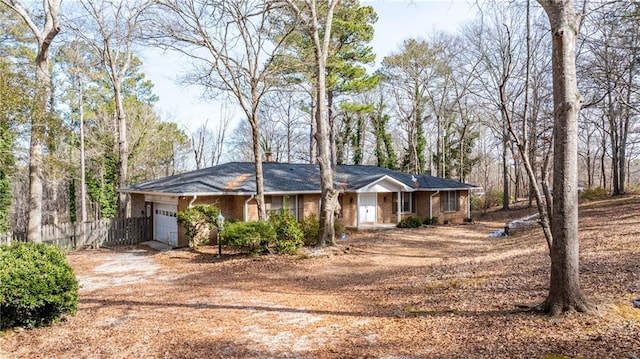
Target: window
449,201
274,203
406,203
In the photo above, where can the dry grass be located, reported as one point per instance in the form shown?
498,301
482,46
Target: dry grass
443,292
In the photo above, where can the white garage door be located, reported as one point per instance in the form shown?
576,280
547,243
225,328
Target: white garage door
165,223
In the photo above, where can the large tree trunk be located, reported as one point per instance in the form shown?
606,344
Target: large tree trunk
257,160
123,151
505,167
38,119
329,195
329,198
83,175
564,291
313,144
332,128
34,221
39,114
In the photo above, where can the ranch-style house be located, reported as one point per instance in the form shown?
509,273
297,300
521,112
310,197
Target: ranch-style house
369,196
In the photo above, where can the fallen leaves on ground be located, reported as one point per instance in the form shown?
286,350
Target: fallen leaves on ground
437,292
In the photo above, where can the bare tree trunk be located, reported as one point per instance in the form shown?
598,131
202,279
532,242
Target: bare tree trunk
44,38
505,167
123,151
116,28
329,196
257,159
564,291
313,144
83,176
603,173
332,128
34,219
197,145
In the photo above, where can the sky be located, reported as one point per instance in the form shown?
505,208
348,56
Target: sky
397,20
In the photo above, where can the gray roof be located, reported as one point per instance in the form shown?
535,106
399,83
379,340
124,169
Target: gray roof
239,178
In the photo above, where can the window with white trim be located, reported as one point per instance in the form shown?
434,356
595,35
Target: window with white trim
274,203
449,201
406,203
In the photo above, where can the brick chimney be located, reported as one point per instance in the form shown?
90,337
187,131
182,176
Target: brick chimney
268,156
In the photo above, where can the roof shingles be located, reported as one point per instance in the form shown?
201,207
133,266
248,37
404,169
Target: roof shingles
239,177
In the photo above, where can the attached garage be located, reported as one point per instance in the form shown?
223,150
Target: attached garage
165,223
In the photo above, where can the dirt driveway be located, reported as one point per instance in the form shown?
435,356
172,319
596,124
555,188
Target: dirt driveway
439,292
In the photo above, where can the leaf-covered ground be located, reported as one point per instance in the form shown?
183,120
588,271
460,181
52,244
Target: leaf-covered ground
438,292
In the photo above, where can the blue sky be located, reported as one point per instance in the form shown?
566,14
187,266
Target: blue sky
397,21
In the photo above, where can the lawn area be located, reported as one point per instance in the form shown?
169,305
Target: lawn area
439,292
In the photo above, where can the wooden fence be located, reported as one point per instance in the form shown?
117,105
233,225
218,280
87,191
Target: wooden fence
102,233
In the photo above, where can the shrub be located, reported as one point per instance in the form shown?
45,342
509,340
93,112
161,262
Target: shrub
476,202
37,285
198,221
311,228
339,228
251,236
491,199
591,194
430,221
410,222
289,234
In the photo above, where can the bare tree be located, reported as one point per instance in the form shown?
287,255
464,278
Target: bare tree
198,140
233,42
44,37
490,40
76,64
285,114
409,73
564,290
610,55
207,144
216,144
319,29
112,29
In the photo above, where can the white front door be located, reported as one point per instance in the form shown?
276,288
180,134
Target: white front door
165,223
367,204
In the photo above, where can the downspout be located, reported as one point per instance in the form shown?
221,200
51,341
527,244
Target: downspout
468,206
195,196
246,207
399,207
358,210
431,204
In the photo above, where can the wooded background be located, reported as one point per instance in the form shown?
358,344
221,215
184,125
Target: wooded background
455,105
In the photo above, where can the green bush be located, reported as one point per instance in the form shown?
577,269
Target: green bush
476,203
430,221
289,234
37,285
198,221
251,236
493,199
410,222
339,228
311,228
591,194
